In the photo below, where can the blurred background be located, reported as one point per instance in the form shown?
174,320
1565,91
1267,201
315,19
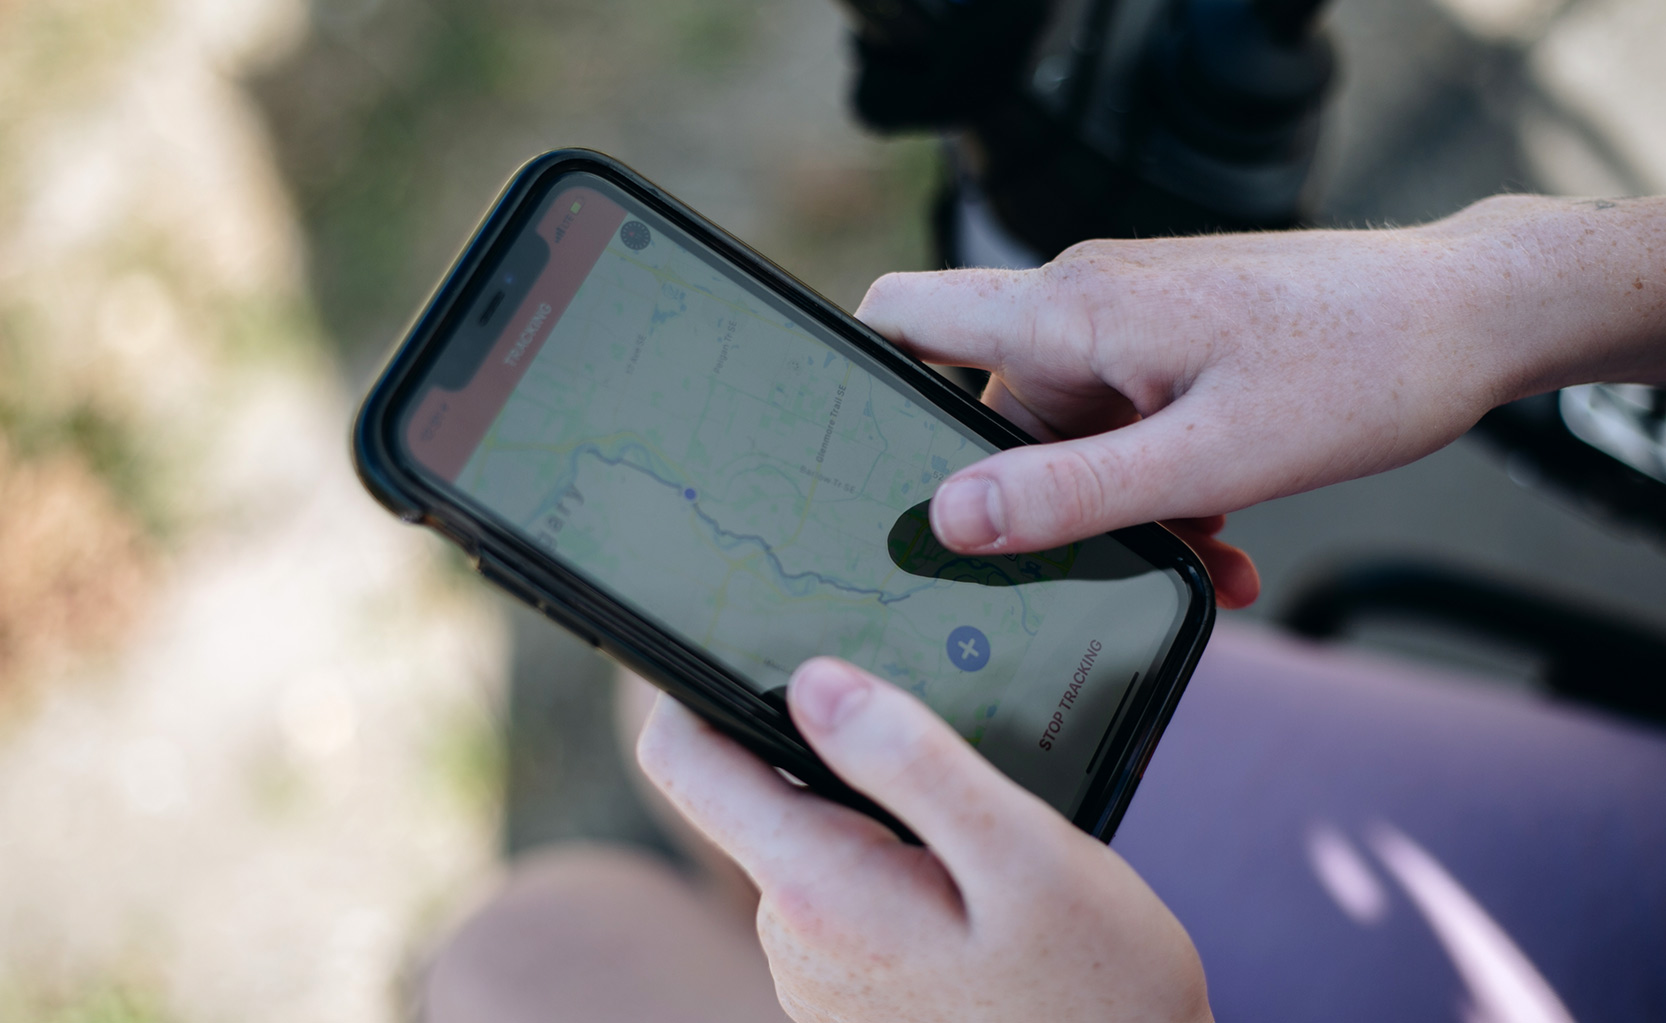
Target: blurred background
259,744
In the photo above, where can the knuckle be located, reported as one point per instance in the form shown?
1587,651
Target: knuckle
1089,252
883,292
1052,876
813,918
932,763
1081,308
886,283
927,761
650,751
912,756
792,911
654,755
1076,491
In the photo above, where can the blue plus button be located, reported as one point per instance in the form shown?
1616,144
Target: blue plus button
968,648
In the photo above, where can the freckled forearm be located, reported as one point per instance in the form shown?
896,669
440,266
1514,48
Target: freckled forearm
1561,291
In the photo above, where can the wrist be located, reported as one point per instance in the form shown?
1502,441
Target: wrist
1550,292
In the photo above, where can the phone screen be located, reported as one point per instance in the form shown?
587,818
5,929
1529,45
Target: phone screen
693,444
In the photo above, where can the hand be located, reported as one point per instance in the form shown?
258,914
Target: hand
1008,913
1237,583
1185,378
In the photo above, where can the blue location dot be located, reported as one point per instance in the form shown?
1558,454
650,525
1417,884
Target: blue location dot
690,493
968,648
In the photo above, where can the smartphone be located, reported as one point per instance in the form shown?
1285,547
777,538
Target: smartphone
639,426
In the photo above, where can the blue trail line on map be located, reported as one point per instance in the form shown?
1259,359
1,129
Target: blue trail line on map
798,584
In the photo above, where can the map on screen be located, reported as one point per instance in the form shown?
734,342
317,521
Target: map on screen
763,493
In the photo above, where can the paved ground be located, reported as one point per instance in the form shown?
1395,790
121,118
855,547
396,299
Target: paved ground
257,803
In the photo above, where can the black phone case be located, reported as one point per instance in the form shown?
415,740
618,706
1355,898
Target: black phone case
682,670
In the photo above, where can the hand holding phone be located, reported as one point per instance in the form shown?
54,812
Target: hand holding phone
1008,914
662,441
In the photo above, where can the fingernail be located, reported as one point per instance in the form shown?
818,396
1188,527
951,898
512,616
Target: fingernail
825,694
967,513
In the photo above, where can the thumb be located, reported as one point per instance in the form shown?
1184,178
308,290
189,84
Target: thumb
1047,495
892,748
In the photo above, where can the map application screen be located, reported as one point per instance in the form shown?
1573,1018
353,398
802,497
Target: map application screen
677,435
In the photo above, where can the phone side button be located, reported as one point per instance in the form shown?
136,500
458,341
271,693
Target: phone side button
511,581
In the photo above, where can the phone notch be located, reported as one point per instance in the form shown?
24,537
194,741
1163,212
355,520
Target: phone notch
491,309
482,324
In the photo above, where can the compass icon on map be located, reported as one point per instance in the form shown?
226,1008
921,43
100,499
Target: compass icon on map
635,235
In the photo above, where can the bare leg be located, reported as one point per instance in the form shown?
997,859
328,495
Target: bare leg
593,934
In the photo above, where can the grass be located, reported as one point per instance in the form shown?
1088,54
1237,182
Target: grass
100,1002
469,762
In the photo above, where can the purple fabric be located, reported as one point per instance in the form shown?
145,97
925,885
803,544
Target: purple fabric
1552,819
